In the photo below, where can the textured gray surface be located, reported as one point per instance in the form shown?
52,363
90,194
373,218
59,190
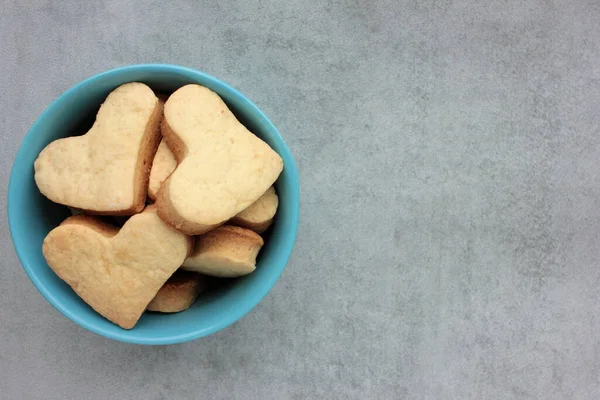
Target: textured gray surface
449,243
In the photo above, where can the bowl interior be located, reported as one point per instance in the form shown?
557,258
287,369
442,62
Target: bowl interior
32,216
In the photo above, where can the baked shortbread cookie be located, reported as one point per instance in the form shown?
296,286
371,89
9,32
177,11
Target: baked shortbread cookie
227,252
116,271
259,215
222,167
164,163
106,170
178,293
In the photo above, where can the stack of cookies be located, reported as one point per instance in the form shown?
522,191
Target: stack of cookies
192,184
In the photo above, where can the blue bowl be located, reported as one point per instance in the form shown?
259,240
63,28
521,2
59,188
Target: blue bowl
31,216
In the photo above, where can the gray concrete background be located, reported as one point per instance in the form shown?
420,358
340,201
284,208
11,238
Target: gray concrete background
449,243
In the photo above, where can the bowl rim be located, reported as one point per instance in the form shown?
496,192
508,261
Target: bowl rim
129,336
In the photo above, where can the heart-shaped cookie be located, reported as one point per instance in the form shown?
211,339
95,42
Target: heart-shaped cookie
106,170
164,163
225,252
116,271
222,167
258,216
179,292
